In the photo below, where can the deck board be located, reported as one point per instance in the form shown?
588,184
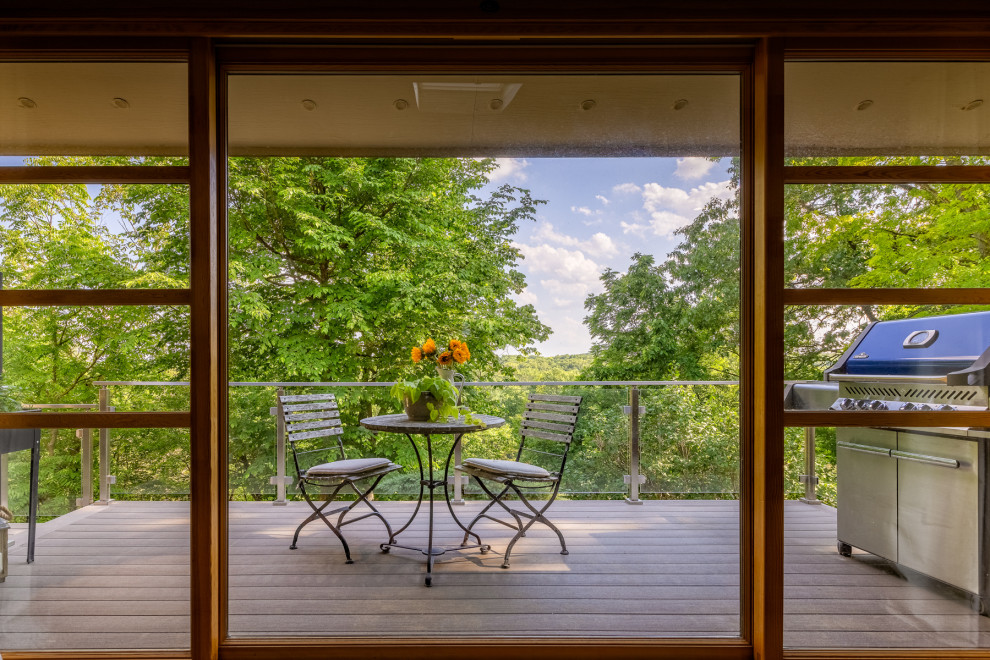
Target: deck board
118,577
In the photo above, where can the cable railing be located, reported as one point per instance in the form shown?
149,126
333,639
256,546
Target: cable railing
633,411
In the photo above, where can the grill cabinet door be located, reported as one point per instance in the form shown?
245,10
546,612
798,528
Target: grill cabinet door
938,524
867,491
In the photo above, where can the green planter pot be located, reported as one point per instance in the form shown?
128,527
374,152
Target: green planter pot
419,412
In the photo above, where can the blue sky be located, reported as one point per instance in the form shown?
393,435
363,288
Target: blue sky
599,212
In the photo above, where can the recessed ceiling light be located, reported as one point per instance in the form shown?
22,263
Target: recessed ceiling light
864,104
309,104
120,103
974,104
495,104
25,102
400,104
589,104
680,104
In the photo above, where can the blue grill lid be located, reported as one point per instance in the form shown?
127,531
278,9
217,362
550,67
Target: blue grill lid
929,346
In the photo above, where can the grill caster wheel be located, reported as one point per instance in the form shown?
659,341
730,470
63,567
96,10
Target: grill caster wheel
484,549
844,549
385,548
429,581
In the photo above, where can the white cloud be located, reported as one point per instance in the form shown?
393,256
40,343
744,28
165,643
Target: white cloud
583,210
634,228
599,245
671,208
526,297
602,199
570,336
509,168
690,169
626,188
570,264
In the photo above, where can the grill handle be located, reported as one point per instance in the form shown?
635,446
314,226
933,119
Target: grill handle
886,378
937,461
866,449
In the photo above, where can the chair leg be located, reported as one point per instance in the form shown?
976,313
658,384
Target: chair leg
495,499
318,512
363,497
536,515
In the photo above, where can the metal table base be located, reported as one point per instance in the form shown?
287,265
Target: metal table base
428,481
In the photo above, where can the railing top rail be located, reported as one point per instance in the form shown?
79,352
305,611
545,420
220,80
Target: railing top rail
513,383
47,406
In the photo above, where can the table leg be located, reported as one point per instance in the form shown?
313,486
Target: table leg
428,480
446,471
429,543
419,502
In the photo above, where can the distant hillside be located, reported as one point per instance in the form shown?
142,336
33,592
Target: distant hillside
556,367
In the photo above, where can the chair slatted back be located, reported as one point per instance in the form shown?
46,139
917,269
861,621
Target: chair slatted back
549,417
309,418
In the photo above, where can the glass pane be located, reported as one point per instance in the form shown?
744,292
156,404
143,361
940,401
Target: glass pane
77,236
111,561
565,228
892,553
93,109
106,575
883,530
886,109
887,235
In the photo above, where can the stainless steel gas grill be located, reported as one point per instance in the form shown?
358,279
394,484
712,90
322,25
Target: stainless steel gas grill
917,496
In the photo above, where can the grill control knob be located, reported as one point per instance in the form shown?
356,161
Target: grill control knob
925,406
863,404
945,407
876,405
909,406
847,404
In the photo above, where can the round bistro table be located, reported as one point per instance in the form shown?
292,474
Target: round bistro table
401,424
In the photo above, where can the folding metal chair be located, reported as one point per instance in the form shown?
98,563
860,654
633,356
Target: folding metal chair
548,420
311,422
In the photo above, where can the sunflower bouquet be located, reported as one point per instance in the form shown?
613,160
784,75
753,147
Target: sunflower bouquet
457,353
441,399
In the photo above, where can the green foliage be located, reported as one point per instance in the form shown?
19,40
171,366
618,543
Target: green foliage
336,265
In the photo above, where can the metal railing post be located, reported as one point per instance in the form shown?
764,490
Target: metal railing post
86,460
458,479
279,478
809,478
633,477
104,450
4,482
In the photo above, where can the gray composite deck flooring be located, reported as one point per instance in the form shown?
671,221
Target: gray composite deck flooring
118,577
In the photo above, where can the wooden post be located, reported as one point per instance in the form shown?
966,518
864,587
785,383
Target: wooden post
762,272
208,384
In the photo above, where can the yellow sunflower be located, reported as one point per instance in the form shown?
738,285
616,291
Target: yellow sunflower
461,354
429,348
417,354
445,358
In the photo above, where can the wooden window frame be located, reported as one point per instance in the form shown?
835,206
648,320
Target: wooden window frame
730,59
764,296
